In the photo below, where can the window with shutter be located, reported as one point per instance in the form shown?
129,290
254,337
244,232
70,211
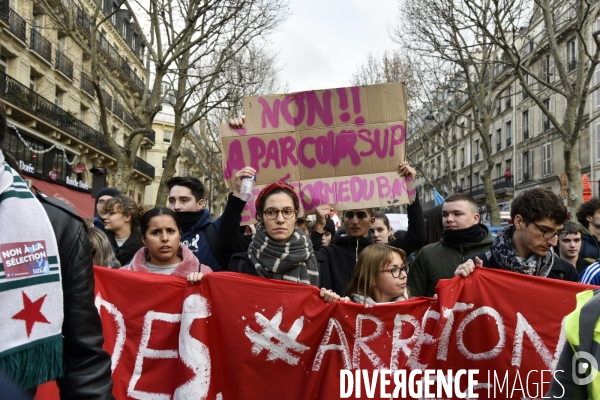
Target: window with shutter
520,167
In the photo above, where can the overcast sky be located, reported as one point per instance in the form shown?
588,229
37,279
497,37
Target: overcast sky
324,41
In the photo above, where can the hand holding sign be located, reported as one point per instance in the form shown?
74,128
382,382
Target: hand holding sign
246,172
343,146
323,212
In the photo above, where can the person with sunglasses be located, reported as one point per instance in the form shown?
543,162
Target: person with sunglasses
379,276
526,246
347,244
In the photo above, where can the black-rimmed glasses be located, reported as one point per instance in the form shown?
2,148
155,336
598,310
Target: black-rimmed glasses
397,271
272,213
561,233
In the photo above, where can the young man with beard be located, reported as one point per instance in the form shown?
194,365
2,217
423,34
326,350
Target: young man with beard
526,246
198,232
462,238
348,242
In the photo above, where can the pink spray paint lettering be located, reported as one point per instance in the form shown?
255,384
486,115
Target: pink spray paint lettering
310,109
340,146
328,149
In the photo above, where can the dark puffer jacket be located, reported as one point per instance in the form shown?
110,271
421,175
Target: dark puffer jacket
340,255
87,372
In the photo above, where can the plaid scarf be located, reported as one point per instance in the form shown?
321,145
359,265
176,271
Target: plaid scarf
507,258
30,288
292,261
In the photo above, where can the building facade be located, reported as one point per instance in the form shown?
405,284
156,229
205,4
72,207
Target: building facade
51,105
526,149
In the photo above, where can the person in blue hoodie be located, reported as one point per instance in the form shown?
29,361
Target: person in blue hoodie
198,232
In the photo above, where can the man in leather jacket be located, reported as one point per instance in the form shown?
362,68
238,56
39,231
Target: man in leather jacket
87,367
87,373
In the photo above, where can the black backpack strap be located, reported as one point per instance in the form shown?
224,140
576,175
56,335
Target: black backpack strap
211,235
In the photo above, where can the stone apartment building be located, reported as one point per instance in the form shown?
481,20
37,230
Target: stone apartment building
50,101
523,140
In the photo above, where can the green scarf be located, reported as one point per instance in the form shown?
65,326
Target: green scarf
30,289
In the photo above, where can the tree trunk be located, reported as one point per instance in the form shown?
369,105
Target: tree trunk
123,174
573,171
169,170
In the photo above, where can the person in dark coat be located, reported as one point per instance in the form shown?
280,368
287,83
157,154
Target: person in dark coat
588,217
74,357
342,253
121,218
198,232
526,247
102,197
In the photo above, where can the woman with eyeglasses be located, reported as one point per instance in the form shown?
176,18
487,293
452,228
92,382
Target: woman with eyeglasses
380,276
278,249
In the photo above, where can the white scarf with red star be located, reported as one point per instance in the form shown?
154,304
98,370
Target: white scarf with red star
30,288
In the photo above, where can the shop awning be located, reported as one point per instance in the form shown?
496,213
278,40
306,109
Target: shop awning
81,202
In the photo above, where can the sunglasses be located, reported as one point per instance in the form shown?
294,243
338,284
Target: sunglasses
359,214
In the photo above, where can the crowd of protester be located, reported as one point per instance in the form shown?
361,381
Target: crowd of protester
364,261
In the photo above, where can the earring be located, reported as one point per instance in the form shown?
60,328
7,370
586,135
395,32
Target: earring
146,253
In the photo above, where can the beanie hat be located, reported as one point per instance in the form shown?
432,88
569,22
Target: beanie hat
330,226
107,192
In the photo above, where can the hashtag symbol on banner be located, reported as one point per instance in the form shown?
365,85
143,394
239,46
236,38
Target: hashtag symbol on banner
278,344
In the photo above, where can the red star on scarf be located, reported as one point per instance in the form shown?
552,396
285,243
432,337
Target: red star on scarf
31,312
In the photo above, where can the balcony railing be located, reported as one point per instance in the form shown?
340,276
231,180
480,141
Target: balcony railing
572,65
526,176
41,45
25,98
118,109
83,20
17,25
117,61
503,183
128,119
479,190
508,142
64,65
87,85
108,100
4,10
151,136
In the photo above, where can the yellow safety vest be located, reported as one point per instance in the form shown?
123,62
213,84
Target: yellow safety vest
579,330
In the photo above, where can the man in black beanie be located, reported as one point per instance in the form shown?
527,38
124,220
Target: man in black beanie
328,231
101,198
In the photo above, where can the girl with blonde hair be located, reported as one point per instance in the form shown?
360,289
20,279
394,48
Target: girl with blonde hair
102,252
380,276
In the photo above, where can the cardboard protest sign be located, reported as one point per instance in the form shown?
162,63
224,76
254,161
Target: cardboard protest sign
339,146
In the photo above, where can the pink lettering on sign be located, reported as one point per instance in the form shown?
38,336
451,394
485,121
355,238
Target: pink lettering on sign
311,108
235,161
328,149
355,189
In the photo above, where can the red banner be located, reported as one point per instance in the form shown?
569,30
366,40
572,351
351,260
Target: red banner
241,337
